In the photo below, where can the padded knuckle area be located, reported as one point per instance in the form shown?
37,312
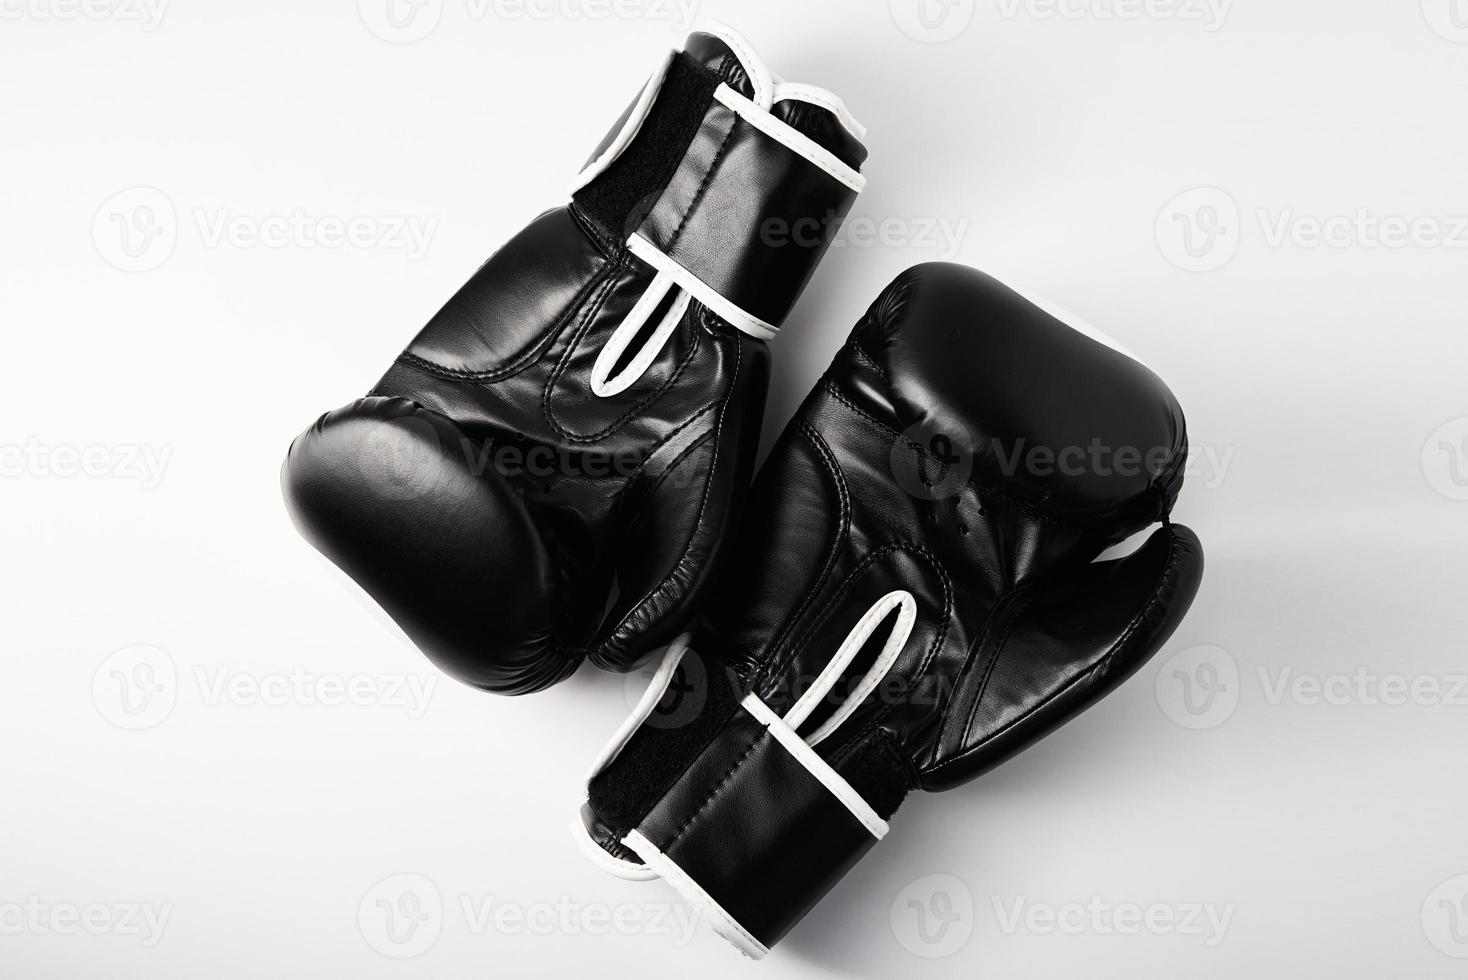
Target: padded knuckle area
968,359
389,492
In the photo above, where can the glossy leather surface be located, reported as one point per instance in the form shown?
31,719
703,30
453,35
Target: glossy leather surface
513,520
745,780
899,475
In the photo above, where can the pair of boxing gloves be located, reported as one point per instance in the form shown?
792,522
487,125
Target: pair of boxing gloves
558,469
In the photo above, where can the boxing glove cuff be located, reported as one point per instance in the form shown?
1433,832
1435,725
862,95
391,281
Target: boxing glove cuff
717,193
757,830
758,826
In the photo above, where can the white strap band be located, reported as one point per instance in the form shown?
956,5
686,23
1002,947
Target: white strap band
816,766
724,923
700,290
761,80
792,138
826,99
599,856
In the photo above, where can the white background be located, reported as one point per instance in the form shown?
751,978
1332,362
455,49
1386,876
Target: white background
174,742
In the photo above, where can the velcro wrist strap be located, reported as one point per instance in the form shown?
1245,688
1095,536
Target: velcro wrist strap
718,195
756,830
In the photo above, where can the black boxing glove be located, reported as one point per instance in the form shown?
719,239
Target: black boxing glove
915,598
548,471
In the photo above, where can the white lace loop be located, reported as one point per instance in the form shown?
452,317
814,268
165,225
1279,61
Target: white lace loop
602,383
850,647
